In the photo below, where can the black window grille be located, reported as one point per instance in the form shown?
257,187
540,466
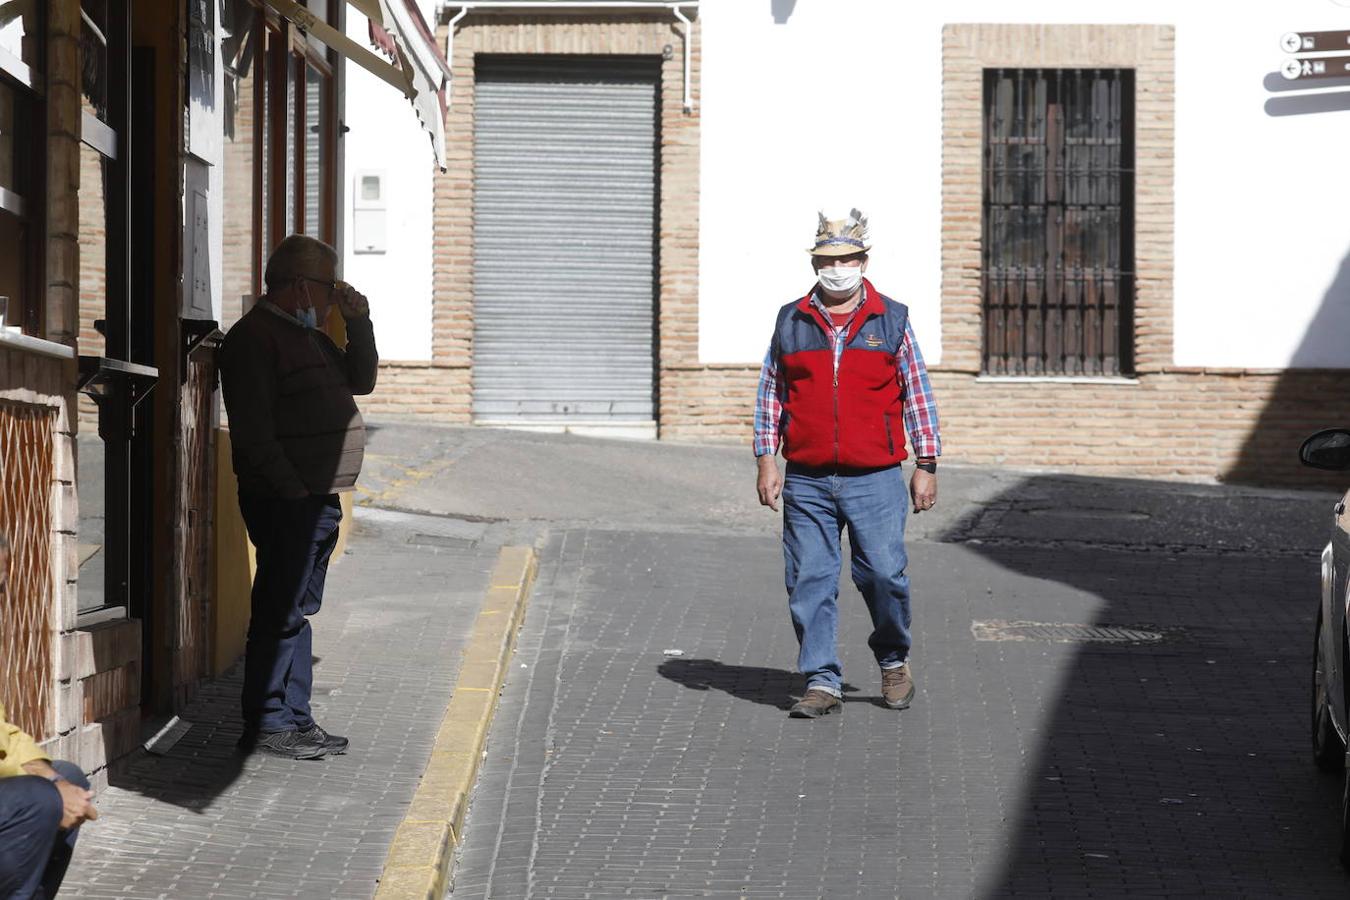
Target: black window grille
1058,223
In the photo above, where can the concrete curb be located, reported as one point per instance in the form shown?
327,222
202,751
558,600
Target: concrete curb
418,865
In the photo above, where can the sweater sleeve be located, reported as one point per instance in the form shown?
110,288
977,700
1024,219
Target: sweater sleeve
19,748
361,358
249,382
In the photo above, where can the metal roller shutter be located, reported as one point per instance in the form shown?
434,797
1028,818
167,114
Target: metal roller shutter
564,239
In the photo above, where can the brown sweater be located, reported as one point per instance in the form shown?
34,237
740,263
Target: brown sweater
294,426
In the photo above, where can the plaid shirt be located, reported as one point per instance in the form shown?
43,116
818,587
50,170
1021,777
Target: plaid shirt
918,408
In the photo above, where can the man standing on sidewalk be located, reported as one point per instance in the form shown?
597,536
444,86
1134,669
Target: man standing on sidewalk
297,440
842,383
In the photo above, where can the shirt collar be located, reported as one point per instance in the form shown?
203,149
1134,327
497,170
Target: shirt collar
825,310
278,311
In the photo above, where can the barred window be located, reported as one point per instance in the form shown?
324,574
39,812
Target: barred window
1058,223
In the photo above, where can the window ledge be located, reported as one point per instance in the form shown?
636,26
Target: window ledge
21,341
101,615
1057,379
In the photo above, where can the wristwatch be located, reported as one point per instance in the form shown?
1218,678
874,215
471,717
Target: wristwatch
929,465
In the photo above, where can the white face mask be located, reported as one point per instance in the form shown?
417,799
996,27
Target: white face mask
840,279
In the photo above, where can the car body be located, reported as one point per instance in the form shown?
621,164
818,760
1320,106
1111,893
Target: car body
1330,722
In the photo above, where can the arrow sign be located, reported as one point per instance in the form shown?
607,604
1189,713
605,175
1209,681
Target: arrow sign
1311,69
1315,41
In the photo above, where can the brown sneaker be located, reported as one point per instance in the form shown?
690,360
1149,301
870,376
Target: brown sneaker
814,704
897,687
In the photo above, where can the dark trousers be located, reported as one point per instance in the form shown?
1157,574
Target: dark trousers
293,540
34,849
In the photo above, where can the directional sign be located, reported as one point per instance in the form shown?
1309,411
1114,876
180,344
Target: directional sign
1315,41
1309,69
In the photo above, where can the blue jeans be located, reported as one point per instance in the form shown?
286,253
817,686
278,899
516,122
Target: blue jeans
294,540
34,849
817,505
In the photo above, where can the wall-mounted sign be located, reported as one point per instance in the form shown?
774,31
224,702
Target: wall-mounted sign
1308,69
1315,41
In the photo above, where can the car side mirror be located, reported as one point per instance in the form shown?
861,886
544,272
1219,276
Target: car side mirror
1329,449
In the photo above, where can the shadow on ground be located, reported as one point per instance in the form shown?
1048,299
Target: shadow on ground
204,763
757,684
1180,766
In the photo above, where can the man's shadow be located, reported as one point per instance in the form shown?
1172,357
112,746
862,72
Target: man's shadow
758,684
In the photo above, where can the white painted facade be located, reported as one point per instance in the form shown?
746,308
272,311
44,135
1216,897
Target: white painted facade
806,103
386,141
1261,247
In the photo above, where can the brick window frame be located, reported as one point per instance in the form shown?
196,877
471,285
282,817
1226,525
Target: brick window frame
970,49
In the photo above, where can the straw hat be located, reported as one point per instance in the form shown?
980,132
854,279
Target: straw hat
841,237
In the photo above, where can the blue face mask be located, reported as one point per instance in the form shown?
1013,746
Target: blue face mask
307,315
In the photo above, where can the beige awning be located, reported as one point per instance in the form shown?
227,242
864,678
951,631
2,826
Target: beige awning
421,74
418,57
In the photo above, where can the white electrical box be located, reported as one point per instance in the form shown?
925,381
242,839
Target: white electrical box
197,301
368,212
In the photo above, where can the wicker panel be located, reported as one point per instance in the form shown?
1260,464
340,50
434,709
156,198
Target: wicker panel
25,603
192,644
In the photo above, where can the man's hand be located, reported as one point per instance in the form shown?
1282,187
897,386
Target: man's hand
78,803
351,302
770,482
923,490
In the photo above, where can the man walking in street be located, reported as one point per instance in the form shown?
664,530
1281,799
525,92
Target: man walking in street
297,440
842,384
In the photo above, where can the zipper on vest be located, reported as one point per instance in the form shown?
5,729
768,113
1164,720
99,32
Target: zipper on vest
836,420
838,358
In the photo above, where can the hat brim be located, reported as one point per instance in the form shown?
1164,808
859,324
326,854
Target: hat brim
838,250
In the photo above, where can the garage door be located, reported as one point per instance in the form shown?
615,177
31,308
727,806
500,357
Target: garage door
565,157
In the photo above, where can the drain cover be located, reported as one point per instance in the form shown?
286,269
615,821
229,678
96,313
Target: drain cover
1124,515
441,540
1063,632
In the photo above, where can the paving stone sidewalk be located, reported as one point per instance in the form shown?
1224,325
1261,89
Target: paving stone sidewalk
204,822
1029,768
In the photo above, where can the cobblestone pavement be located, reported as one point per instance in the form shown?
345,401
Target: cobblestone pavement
204,822
1029,767
1032,767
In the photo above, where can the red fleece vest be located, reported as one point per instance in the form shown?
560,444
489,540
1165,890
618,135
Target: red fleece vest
852,420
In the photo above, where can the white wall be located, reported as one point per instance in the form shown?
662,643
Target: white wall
1260,241
385,136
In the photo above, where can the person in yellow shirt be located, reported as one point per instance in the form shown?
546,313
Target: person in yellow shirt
42,804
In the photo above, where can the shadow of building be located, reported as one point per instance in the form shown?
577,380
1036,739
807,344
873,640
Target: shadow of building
1175,762
1311,395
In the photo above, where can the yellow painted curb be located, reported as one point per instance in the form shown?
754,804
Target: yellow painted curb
418,865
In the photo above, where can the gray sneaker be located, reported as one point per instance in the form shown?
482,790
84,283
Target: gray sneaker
814,704
897,687
331,743
286,744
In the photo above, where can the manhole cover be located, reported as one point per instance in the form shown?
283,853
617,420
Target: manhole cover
1064,632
